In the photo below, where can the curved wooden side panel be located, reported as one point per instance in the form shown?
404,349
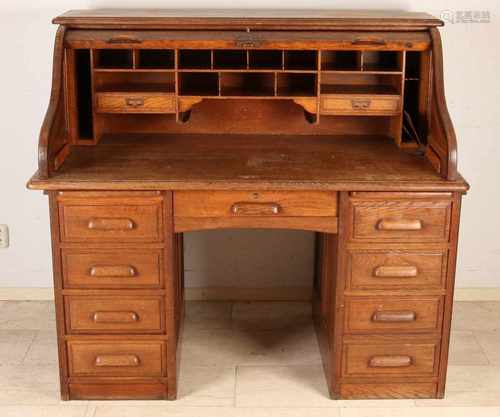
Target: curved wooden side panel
53,140
442,139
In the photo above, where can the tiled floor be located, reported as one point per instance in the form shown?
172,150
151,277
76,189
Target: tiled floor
248,360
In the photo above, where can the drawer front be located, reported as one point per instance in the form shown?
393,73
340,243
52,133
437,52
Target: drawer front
393,315
120,314
123,102
112,268
360,104
371,359
111,220
249,203
401,220
382,269
117,358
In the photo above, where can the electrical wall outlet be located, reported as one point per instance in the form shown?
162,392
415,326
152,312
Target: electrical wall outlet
4,236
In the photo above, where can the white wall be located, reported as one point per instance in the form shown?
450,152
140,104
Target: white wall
472,62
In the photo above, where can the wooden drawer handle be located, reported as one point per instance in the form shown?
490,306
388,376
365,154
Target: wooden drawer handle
115,317
409,271
394,316
393,361
399,225
134,101
368,42
361,104
117,360
123,39
110,224
255,209
106,271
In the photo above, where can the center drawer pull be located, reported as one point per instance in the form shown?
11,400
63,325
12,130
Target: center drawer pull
107,271
390,224
115,317
134,101
361,104
390,361
409,271
255,209
394,316
109,224
117,360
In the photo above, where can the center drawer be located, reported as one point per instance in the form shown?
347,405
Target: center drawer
117,358
250,203
107,314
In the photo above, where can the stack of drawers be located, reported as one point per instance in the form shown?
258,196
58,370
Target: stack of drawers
397,248
109,249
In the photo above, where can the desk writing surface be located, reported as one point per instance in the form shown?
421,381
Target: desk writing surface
283,161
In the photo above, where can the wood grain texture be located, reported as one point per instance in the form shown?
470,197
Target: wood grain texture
242,19
112,268
245,162
168,121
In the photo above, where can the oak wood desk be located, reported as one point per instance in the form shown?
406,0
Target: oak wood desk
165,122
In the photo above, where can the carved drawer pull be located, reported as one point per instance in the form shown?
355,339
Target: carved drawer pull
255,209
368,42
134,102
115,317
394,316
409,271
390,361
123,39
117,360
361,104
105,271
247,44
110,224
399,225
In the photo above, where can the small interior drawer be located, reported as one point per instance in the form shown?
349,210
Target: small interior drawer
134,102
117,358
400,359
106,314
250,203
111,219
104,268
360,104
401,220
380,269
393,314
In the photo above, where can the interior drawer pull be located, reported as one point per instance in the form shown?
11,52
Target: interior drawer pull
255,209
399,224
110,224
409,271
117,360
115,317
123,39
361,104
390,361
394,316
106,271
134,101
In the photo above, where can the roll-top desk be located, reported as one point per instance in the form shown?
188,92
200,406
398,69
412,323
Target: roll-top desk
164,122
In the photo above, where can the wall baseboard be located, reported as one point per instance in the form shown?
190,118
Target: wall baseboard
241,294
